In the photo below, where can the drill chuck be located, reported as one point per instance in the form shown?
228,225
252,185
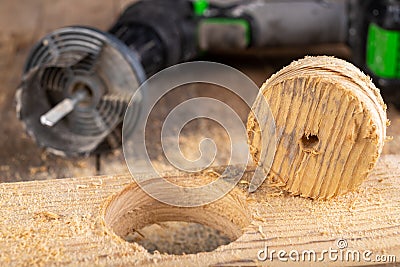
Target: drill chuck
161,33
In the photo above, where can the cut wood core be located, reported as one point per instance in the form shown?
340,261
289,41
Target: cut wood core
330,124
137,217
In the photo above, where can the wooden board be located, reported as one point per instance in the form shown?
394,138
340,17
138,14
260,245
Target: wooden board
62,222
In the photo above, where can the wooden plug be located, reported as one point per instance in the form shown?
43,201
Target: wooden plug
330,127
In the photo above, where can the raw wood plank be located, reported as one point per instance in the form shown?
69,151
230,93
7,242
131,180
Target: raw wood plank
61,222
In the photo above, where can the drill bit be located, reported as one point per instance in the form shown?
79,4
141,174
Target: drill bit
63,108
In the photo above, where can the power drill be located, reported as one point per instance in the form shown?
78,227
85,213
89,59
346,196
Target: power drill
78,81
374,37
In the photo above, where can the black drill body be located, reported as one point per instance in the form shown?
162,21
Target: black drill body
160,32
166,32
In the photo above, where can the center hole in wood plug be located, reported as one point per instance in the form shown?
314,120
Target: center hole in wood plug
136,217
309,142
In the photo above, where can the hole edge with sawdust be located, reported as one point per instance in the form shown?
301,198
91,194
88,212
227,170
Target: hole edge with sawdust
131,210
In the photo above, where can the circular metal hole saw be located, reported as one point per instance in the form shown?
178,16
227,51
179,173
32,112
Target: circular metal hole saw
76,87
78,81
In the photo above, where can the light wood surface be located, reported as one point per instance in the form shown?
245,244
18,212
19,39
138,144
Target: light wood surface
67,222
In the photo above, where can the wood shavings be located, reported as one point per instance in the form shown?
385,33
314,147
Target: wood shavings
212,173
99,183
35,170
4,168
258,217
81,186
47,215
260,230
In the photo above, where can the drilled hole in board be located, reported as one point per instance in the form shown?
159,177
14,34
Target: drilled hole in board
137,217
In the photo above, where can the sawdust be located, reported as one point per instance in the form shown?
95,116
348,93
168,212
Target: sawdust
47,215
179,238
35,170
